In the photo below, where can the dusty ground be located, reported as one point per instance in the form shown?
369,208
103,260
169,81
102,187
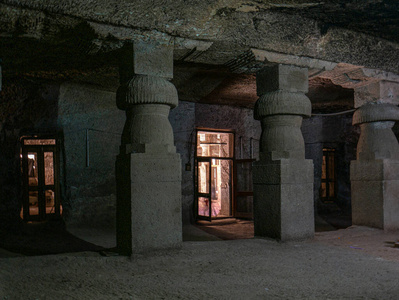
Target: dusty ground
355,263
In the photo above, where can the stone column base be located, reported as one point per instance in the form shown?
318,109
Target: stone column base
148,202
375,193
283,199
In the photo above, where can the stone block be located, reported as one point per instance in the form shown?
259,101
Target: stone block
149,202
297,211
156,215
375,193
283,199
367,203
391,205
382,91
283,171
153,59
282,77
374,170
155,168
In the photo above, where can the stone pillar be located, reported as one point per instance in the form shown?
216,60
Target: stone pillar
148,169
375,173
283,178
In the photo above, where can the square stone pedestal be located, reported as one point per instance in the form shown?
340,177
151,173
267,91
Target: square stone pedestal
283,199
375,193
148,202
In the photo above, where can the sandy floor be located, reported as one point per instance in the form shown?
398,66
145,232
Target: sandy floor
355,263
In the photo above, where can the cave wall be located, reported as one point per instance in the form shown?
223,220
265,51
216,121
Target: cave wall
91,186
89,192
182,119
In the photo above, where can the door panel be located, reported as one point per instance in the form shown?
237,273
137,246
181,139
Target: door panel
49,168
222,184
40,180
203,177
328,181
243,189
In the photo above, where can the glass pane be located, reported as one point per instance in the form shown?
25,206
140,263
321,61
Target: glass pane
323,168
48,168
32,169
244,176
244,204
221,187
331,166
203,177
220,191
203,206
50,203
323,190
214,144
331,190
39,142
33,203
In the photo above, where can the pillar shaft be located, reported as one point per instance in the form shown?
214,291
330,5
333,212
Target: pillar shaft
283,178
375,173
148,168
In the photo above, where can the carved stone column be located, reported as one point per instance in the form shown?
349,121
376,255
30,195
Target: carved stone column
283,178
148,168
375,173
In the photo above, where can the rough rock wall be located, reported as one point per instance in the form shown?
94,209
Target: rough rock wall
331,132
90,190
91,186
182,119
229,25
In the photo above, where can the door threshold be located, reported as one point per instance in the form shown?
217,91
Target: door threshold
221,221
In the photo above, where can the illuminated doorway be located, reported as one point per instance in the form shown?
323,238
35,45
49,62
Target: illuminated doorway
328,180
40,173
213,174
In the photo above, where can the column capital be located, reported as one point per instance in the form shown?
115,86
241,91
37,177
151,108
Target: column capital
282,103
147,96
375,112
281,106
145,89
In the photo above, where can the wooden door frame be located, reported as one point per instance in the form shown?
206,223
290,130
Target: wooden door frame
238,193
327,152
206,158
42,187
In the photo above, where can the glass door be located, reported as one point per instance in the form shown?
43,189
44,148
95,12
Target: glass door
204,204
213,174
40,179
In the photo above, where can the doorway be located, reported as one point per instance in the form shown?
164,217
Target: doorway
40,177
213,176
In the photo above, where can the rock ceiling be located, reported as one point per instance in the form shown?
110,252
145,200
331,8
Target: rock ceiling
218,44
